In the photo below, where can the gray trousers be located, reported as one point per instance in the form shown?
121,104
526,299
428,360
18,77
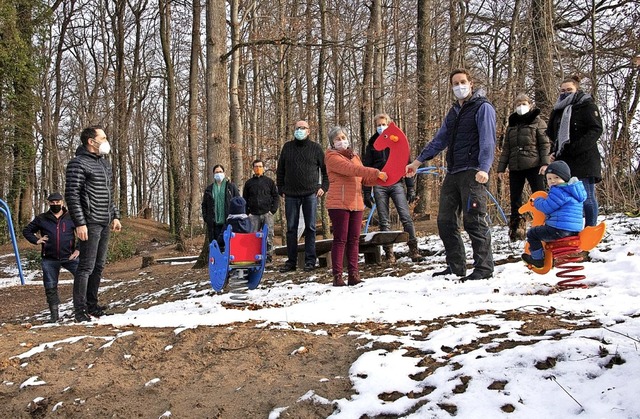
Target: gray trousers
258,221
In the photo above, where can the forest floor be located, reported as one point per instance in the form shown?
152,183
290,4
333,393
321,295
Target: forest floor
230,371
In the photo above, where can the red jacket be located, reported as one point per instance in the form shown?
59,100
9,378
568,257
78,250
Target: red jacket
346,177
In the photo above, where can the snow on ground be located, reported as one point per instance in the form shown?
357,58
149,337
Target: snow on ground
592,372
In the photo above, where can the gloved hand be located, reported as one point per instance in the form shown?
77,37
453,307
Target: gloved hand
411,195
367,198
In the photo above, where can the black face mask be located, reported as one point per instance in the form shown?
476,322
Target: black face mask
55,208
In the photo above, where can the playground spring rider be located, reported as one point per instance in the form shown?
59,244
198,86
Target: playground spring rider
566,251
241,265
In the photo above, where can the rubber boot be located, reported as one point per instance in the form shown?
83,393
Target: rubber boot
338,281
55,315
389,256
354,278
53,300
414,253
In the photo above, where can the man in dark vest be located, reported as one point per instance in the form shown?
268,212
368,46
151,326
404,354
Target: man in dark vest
469,135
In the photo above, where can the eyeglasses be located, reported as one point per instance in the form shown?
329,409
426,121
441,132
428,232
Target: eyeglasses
301,128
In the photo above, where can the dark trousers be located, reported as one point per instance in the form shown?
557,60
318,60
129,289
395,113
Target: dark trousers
50,274
93,256
292,206
517,179
346,236
461,193
544,233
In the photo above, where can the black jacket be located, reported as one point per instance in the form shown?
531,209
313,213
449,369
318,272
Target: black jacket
89,190
61,243
377,159
526,144
261,195
208,207
581,152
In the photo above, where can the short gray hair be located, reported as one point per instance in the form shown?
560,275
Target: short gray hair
334,132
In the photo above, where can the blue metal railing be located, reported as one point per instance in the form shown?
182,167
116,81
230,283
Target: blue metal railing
4,208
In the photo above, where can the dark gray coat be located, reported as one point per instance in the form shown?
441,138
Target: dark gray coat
526,144
89,189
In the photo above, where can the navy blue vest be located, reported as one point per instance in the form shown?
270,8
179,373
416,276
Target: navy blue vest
463,150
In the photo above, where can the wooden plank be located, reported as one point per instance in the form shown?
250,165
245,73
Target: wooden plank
178,259
376,238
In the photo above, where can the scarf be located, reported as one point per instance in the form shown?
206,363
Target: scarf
348,153
218,192
567,104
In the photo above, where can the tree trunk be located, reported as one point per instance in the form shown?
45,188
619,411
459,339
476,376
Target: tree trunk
193,133
235,120
217,99
176,191
543,69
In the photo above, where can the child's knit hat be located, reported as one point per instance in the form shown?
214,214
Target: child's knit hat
560,169
237,205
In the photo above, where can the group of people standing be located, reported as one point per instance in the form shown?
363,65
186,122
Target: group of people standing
305,173
90,216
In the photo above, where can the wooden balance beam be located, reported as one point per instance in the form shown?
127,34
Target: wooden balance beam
369,246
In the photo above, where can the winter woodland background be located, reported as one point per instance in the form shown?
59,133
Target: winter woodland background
182,85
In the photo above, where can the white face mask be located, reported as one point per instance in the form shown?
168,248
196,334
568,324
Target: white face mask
105,148
522,109
219,177
341,145
461,91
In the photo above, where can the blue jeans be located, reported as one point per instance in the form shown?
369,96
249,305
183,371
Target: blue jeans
50,274
544,233
590,205
292,205
51,270
396,193
93,256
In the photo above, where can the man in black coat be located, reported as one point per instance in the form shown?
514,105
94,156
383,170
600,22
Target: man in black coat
302,179
263,200
55,235
90,197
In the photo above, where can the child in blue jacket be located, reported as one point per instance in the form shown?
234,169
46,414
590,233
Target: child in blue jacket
562,209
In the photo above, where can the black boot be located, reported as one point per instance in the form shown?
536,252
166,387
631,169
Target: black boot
517,228
55,315
53,300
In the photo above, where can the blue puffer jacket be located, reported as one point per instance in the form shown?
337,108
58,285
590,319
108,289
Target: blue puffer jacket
563,206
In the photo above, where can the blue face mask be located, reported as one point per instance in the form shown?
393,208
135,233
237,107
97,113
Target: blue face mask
564,95
219,177
380,129
300,134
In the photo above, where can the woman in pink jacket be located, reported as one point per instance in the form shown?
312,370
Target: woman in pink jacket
345,203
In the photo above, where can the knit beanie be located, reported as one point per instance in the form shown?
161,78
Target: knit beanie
560,169
237,205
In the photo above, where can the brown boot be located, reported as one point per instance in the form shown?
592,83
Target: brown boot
389,256
354,278
338,281
414,253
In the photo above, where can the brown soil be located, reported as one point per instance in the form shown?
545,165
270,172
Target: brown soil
231,371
